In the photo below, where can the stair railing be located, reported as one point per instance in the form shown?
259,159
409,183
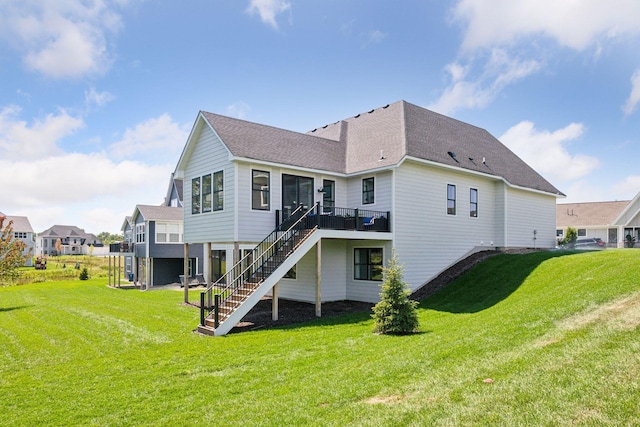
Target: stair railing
253,267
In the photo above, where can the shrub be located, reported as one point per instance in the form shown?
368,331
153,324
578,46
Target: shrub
395,313
84,274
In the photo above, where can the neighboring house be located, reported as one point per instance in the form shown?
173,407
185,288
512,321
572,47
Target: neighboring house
153,248
23,231
610,221
74,241
400,176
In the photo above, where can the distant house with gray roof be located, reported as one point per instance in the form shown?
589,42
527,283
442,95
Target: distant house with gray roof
329,205
611,221
23,231
153,246
73,241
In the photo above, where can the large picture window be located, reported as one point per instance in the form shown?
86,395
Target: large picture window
260,190
473,202
451,199
367,264
207,193
195,195
368,192
218,191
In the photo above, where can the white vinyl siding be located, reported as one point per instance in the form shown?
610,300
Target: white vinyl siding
427,239
209,156
383,190
528,211
303,288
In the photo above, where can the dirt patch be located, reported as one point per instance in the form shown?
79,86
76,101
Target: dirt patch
291,312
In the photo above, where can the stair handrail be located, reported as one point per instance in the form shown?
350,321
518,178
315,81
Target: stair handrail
231,282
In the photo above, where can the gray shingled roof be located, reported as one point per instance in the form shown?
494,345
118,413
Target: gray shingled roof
20,223
64,231
267,143
155,213
588,214
380,138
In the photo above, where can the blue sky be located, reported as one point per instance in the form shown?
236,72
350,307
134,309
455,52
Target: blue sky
98,96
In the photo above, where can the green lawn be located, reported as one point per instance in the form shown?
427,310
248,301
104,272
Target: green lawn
557,333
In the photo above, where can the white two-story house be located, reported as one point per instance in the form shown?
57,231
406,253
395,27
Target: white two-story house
397,177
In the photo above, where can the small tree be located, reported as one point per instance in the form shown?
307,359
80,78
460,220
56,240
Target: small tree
11,256
571,237
395,313
84,274
59,246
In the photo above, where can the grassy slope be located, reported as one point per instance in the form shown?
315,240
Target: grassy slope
557,333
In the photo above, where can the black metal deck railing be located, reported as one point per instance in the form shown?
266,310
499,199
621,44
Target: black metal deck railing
335,218
254,267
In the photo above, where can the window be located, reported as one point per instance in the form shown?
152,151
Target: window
451,199
473,202
218,191
328,195
260,190
367,264
582,232
20,235
559,233
218,263
291,274
368,191
139,233
168,232
206,193
195,195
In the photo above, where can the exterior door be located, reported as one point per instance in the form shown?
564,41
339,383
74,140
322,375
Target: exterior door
296,191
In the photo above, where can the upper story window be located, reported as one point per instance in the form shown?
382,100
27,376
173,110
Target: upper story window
20,235
368,191
451,199
207,193
218,191
328,195
140,233
260,190
168,232
473,202
195,195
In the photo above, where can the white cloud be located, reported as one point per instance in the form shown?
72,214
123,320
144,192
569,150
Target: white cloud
478,91
51,186
19,140
268,9
93,97
634,97
547,153
160,139
238,110
627,188
374,37
577,25
63,38
67,185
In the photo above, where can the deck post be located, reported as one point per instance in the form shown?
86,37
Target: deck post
186,273
319,278
274,303
114,285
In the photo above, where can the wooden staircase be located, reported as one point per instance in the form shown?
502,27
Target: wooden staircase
225,302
